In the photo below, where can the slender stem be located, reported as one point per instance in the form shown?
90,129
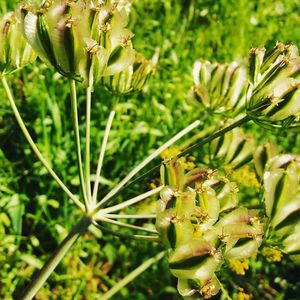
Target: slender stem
115,216
87,142
149,238
219,133
34,147
101,155
77,140
145,162
40,278
186,151
121,224
128,202
131,276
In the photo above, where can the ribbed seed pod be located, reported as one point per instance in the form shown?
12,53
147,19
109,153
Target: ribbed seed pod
219,88
132,79
235,148
15,52
282,201
82,39
274,97
262,156
199,237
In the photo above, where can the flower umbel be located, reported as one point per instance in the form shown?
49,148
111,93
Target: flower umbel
274,95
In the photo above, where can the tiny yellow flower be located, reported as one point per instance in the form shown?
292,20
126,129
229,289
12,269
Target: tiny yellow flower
272,255
242,295
239,266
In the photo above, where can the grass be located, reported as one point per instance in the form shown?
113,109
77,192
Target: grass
35,215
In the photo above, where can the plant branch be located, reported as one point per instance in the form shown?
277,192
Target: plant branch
128,202
42,275
34,147
87,141
156,168
121,224
139,216
131,276
115,190
77,140
101,155
148,238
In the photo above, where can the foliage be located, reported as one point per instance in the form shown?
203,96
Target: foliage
36,215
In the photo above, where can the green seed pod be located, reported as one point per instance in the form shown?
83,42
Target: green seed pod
83,40
219,88
282,200
15,52
273,99
132,79
108,46
262,156
193,224
235,148
50,30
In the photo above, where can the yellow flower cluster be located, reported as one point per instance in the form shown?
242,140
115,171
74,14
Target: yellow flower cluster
188,162
271,254
245,176
239,266
242,295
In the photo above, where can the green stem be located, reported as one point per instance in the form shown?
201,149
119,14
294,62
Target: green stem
87,143
186,151
131,276
126,225
77,140
34,147
101,156
127,203
148,238
41,277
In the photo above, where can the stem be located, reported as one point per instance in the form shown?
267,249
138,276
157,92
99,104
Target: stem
121,224
43,274
101,155
149,238
34,147
128,202
77,139
115,216
145,162
186,151
131,276
219,133
87,143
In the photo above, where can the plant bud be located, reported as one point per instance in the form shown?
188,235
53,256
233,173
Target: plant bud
15,52
235,148
132,79
274,97
282,200
219,88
